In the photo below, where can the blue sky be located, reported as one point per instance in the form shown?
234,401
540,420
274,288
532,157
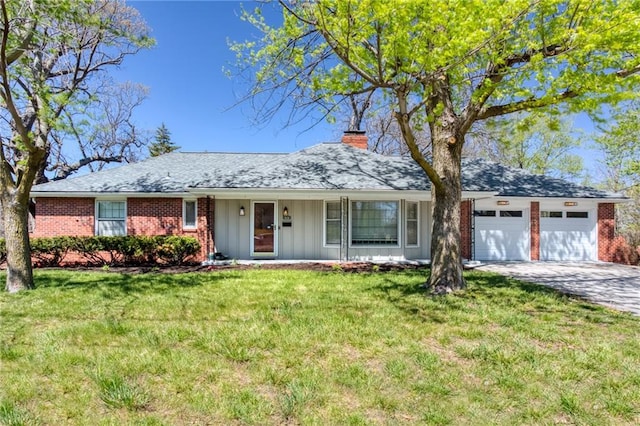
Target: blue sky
188,90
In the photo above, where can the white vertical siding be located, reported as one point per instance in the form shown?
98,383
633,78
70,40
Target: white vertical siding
232,231
304,238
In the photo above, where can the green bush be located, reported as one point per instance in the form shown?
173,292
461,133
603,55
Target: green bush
137,250
112,251
3,251
50,251
174,250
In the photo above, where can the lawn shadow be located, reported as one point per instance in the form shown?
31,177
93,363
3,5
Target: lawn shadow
118,284
484,291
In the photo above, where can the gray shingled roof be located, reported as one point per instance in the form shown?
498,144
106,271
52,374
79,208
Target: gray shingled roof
325,166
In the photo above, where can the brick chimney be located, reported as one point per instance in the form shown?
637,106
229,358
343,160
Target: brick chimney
355,138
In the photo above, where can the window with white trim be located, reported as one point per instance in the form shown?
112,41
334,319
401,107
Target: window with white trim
412,223
332,223
111,218
189,214
374,223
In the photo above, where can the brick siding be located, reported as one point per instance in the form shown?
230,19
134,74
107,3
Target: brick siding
465,228
59,217
612,247
535,230
145,216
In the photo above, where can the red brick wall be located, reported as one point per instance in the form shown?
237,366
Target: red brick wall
465,228
535,230
612,247
154,216
606,231
64,216
145,216
163,216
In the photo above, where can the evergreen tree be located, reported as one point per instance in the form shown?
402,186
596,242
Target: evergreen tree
162,144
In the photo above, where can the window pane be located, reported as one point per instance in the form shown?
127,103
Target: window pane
333,223
333,210
333,232
412,211
374,223
412,224
578,215
111,228
190,214
484,213
510,213
550,214
111,209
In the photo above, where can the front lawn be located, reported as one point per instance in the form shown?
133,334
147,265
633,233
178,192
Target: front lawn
299,347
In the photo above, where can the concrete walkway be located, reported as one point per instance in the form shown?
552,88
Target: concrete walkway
609,284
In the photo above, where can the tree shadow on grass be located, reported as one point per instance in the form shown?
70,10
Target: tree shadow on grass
114,285
485,291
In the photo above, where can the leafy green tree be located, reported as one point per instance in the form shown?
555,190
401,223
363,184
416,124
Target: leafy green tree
620,146
162,144
446,66
51,55
539,143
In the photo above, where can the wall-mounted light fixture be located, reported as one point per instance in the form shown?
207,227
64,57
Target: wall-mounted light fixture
570,203
503,202
241,210
285,211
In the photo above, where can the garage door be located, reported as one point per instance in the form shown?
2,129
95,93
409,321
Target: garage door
567,235
501,235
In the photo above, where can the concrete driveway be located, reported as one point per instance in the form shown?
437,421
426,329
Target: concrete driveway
609,284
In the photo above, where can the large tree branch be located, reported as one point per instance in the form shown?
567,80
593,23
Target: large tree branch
22,47
497,110
495,73
5,91
404,121
64,170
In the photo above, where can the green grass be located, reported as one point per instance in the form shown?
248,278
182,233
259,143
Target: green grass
294,347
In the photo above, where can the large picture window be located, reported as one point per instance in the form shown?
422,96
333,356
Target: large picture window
110,218
374,223
333,223
412,223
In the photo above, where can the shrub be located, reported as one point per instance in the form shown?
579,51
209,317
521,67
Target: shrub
175,250
3,251
50,251
112,251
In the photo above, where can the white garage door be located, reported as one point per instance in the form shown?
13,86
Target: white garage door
567,235
501,235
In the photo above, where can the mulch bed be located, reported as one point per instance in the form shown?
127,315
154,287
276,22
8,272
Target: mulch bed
304,266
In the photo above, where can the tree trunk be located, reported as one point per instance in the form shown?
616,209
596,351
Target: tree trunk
446,256
19,270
